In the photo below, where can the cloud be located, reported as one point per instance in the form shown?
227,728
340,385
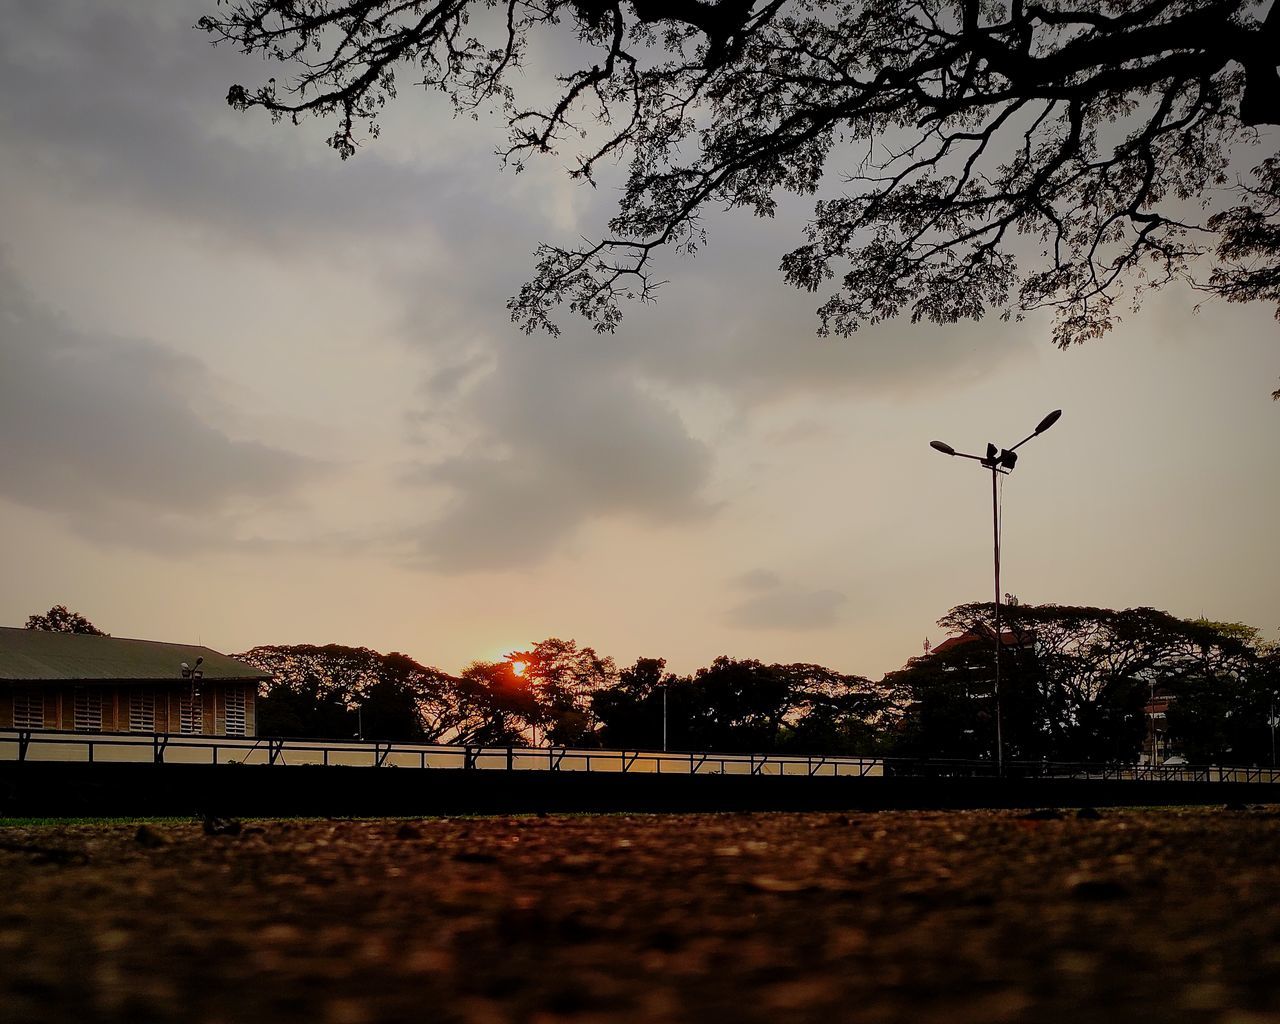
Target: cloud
126,104
101,430
524,442
559,445
788,608
757,579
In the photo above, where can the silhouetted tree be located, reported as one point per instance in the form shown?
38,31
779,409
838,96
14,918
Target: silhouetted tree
1075,681
562,677
59,619
390,695
1107,133
630,712
743,704
831,712
1219,681
946,702
500,706
306,707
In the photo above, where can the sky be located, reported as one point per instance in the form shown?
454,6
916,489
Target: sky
252,394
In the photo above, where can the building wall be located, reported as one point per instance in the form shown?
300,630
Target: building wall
59,706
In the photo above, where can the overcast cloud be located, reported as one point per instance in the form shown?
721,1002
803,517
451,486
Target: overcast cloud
102,431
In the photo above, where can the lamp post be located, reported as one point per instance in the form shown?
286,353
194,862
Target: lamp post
666,686
999,461
1273,732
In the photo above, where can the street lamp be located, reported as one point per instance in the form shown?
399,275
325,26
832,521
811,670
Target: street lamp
998,461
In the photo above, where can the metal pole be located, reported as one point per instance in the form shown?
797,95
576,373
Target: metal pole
1155,740
995,530
664,720
1273,731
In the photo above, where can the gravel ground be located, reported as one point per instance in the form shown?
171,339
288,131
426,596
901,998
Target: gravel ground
957,917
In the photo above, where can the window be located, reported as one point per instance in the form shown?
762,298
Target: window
189,715
28,709
235,713
87,711
142,711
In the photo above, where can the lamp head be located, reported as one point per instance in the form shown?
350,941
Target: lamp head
942,446
1048,421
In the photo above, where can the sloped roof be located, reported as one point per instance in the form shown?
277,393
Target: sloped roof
1007,639
33,655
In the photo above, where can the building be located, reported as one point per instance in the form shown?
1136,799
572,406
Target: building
1009,640
1157,745
75,682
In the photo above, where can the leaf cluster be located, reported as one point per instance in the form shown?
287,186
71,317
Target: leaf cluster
973,156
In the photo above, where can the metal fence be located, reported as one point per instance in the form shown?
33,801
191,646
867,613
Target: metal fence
172,748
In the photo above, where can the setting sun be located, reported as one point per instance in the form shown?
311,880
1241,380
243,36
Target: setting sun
518,667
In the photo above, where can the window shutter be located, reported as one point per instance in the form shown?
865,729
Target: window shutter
28,709
87,711
142,711
189,715
234,712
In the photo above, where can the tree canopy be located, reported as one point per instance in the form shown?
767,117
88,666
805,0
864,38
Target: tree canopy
60,619
970,156
336,691
1076,682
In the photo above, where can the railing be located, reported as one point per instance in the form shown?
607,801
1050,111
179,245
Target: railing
172,748
1079,770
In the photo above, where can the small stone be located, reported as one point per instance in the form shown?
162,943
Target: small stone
1088,814
149,837
215,826
1098,890
407,831
475,857
768,883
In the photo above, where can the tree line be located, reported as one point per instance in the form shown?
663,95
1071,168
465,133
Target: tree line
560,693
1077,683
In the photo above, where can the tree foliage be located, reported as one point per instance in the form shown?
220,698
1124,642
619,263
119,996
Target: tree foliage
1076,681
501,707
970,155
1075,685
59,619
740,705
561,678
383,696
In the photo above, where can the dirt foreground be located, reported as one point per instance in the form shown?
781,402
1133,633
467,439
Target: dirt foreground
957,917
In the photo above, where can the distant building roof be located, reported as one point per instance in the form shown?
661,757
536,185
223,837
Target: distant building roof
1007,639
33,655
